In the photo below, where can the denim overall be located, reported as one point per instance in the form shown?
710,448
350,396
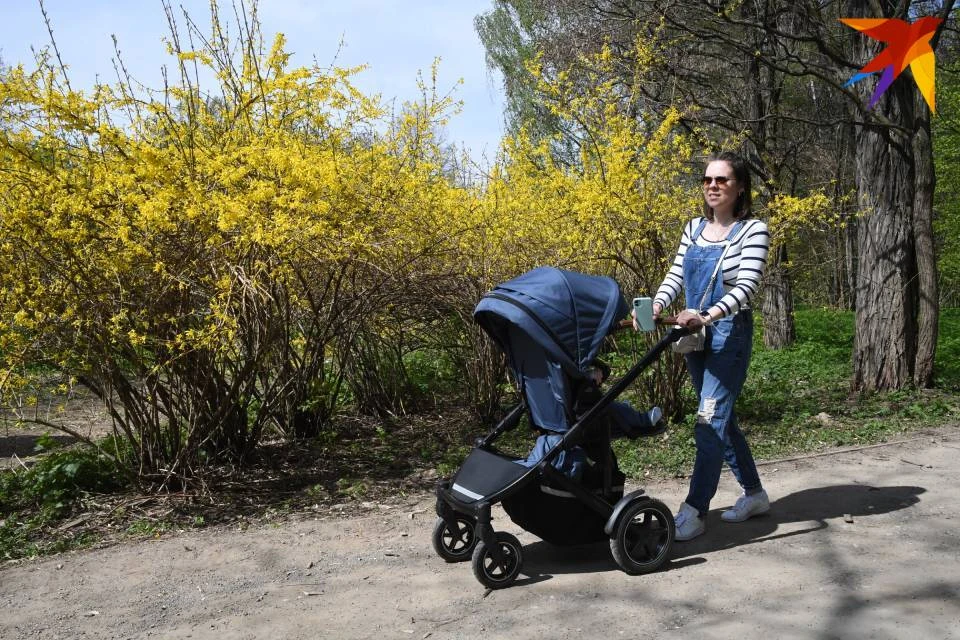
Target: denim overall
718,373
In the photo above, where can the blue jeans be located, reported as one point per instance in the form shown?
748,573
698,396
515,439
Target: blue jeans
718,373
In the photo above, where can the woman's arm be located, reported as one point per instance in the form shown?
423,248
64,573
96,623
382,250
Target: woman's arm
754,247
673,282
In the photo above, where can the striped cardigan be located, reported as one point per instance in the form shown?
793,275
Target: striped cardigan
742,266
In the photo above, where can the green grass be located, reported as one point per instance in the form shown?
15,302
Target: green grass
947,365
148,528
34,501
797,400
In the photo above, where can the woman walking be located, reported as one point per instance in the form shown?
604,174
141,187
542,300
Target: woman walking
719,265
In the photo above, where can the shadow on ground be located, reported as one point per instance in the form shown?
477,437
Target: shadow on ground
24,446
814,507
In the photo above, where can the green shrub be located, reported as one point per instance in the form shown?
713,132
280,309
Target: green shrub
33,499
54,484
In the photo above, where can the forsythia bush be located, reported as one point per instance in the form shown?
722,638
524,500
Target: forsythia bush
609,195
205,261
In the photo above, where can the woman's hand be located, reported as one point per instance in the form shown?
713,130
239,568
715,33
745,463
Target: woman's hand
692,320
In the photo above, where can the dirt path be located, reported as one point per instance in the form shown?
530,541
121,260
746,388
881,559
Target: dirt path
858,544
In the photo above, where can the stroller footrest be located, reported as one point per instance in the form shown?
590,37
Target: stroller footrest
484,474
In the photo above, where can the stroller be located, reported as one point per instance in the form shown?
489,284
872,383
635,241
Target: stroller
551,324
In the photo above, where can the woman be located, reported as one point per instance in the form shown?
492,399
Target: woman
719,300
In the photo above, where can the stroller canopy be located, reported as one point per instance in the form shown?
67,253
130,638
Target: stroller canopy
568,314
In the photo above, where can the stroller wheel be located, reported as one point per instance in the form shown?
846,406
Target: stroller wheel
643,536
486,569
454,545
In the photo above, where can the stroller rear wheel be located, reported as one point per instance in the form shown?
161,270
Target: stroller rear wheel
644,535
493,575
455,544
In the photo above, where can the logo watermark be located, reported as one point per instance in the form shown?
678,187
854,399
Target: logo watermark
908,44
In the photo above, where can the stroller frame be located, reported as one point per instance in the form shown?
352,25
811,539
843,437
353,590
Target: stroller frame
464,529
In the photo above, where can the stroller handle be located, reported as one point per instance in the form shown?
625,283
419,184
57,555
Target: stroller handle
628,324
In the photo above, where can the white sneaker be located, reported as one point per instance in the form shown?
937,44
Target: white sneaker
688,523
658,423
656,415
747,507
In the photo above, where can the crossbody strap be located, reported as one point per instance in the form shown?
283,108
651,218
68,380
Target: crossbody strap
713,277
739,229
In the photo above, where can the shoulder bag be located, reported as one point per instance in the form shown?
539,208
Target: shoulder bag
696,340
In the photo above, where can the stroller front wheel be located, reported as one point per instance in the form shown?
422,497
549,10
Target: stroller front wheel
643,537
486,569
455,544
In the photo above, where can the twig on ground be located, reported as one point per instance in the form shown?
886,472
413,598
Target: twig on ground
17,458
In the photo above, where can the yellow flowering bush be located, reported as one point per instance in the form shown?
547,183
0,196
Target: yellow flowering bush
205,261
218,262
603,208
608,195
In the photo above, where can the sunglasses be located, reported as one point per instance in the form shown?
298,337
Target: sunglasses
720,180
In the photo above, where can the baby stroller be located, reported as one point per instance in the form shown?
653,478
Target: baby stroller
551,324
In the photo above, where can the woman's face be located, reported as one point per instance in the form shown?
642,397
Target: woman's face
720,188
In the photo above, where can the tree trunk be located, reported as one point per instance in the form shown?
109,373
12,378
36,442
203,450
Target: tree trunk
850,262
838,275
928,300
846,238
760,92
778,325
884,348
885,339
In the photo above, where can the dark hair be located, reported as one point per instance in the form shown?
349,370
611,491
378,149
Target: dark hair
741,172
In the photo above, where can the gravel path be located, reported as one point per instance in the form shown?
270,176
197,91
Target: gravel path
858,544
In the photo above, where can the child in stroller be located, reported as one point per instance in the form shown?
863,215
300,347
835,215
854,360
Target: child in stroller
551,324
622,419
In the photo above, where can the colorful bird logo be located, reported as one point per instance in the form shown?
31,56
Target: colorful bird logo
908,44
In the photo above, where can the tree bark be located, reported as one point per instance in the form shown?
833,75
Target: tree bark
884,348
850,262
778,326
897,298
928,298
